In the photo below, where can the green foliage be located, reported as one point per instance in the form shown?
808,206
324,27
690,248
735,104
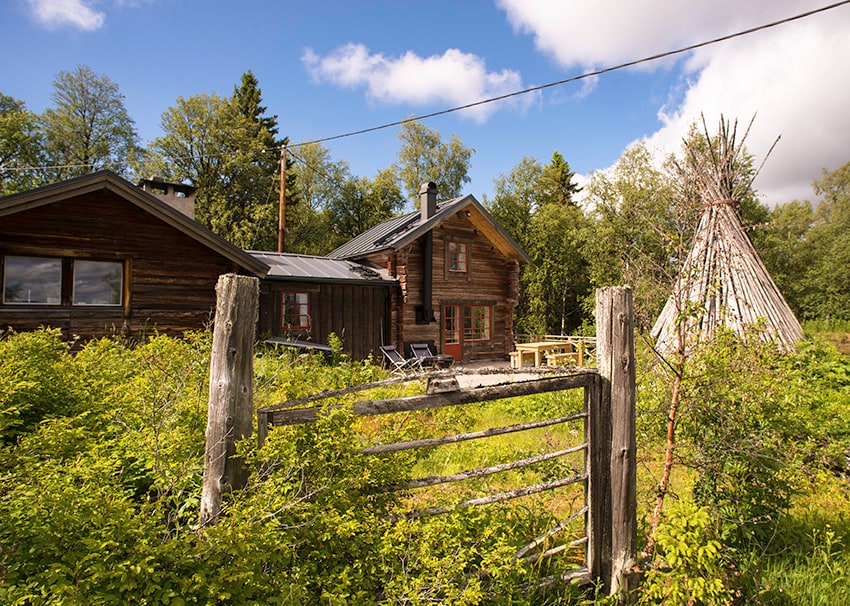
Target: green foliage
21,146
691,566
423,157
99,495
88,127
534,204
738,434
223,146
35,382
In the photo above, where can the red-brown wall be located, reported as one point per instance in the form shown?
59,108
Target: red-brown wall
170,278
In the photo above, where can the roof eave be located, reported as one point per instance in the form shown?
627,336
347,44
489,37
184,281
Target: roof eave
109,181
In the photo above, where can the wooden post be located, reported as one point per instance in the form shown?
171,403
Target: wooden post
281,210
597,429
231,411
616,363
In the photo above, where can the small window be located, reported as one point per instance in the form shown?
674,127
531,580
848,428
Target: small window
295,311
458,257
32,281
476,323
98,282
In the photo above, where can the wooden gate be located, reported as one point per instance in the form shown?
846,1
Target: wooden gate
603,525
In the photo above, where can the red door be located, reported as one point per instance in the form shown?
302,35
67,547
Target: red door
452,335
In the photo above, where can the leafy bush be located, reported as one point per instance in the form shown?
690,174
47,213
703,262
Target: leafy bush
691,565
35,382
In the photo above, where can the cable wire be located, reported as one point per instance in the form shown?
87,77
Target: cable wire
481,102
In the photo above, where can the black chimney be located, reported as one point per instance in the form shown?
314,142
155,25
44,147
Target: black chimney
428,208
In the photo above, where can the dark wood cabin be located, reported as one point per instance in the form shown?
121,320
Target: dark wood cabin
306,298
458,277
98,256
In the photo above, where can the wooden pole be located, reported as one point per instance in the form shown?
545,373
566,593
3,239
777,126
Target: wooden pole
616,364
230,414
281,216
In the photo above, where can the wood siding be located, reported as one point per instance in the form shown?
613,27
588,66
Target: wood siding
169,277
357,313
492,279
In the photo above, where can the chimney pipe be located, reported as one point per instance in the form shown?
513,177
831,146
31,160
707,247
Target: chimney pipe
427,208
428,200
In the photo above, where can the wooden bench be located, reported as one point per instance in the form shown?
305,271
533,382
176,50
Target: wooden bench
518,358
562,359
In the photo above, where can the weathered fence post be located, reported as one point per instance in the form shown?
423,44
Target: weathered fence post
230,413
616,364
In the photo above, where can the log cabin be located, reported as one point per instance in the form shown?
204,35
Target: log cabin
458,277
305,298
97,256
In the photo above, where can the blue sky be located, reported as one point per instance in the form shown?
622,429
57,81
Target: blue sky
332,67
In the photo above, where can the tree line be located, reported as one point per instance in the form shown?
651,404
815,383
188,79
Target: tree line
631,224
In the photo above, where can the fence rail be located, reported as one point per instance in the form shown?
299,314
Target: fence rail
607,418
511,385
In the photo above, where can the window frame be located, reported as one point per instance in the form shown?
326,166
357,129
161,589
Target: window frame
59,285
67,281
454,260
74,282
299,314
484,333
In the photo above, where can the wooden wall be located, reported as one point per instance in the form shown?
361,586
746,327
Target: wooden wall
170,278
357,313
492,280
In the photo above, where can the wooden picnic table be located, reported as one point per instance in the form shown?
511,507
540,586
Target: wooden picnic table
539,349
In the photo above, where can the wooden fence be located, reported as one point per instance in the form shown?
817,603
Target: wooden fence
603,526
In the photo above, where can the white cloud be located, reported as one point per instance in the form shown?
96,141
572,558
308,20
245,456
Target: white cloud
452,79
791,77
73,13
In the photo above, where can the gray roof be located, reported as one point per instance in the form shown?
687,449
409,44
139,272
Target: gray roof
107,180
307,268
400,231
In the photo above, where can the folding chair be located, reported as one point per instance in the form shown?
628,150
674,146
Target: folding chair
399,363
422,352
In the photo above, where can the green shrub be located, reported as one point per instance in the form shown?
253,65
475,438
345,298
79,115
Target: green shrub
691,565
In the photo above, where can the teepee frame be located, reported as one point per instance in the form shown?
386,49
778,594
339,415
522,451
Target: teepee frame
723,282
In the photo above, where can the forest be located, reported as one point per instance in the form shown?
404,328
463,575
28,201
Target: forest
101,447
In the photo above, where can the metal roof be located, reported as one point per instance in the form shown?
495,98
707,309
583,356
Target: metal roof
308,268
399,231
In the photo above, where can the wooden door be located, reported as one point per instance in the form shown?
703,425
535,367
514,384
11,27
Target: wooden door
452,334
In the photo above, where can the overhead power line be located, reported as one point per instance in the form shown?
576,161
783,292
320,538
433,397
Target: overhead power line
583,76
518,93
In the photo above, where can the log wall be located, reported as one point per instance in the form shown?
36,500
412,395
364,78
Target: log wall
169,277
491,279
357,313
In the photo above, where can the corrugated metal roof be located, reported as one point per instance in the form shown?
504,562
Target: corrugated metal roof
388,234
308,268
400,231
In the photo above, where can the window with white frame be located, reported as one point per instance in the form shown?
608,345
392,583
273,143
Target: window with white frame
458,257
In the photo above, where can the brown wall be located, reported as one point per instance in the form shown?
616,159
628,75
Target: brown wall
492,280
170,278
355,312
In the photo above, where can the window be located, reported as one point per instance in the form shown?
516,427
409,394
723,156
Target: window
451,323
458,257
295,310
98,282
476,323
32,280
52,281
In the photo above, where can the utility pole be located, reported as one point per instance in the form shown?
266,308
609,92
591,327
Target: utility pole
281,218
